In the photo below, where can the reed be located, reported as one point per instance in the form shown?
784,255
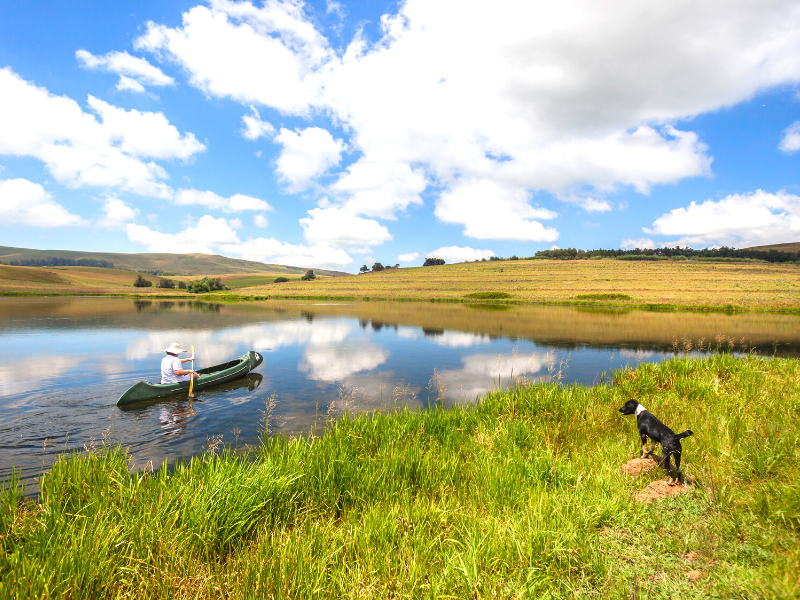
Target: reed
518,495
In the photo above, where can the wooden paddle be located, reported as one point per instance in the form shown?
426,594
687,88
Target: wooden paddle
191,381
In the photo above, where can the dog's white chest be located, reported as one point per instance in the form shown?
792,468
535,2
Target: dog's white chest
639,410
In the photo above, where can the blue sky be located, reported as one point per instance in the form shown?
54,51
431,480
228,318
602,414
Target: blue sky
327,134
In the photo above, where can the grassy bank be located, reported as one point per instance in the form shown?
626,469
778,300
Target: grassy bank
519,496
650,284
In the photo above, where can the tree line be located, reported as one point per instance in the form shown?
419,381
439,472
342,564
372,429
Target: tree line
670,252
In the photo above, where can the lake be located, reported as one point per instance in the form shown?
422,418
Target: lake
65,361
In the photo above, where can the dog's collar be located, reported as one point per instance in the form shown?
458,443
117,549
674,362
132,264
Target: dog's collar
639,410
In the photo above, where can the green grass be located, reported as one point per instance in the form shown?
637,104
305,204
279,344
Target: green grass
488,295
520,496
603,297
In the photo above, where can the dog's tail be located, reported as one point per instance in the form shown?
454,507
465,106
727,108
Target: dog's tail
685,434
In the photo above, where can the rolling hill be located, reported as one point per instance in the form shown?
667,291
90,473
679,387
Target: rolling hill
790,247
179,264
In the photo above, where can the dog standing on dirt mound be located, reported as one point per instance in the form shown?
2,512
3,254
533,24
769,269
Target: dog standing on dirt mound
650,427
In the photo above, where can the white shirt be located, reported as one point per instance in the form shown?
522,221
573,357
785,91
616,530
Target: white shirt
170,364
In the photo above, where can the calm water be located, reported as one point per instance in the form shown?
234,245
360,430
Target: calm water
65,361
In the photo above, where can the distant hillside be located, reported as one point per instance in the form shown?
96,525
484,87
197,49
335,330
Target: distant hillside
790,247
180,264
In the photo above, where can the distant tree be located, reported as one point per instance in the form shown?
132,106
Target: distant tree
142,282
431,262
377,267
206,285
364,268
166,284
397,266
181,285
281,279
514,257
495,258
309,275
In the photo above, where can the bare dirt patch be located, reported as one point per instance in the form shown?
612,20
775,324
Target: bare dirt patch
637,466
695,575
656,490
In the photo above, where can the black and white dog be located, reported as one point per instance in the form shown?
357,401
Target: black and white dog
650,427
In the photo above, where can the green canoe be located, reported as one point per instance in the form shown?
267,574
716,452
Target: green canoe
208,377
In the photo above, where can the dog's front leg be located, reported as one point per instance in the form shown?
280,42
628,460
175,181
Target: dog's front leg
677,456
644,445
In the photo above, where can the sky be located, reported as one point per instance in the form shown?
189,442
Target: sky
335,134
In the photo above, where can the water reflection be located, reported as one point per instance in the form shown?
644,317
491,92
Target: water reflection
65,361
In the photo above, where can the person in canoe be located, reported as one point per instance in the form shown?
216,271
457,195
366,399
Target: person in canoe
172,370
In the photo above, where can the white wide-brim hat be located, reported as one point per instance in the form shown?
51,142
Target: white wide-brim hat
175,348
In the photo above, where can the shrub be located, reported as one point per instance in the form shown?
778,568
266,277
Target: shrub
206,285
142,282
181,285
431,262
281,279
514,257
364,268
377,267
495,258
166,284
309,275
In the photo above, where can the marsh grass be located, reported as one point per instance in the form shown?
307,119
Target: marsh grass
517,496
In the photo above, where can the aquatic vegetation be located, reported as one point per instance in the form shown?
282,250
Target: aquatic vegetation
519,495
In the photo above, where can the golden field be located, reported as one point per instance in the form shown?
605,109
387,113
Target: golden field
97,281
686,283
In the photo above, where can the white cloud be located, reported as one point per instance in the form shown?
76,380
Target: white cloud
27,203
252,55
236,203
643,243
260,221
79,150
453,254
212,236
130,85
791,138
116,214
134,72
379,189
144,134
235,223
739,220
588,203
410,257
492,211
306,155
274,251
255,128
209,233
559,97
339,228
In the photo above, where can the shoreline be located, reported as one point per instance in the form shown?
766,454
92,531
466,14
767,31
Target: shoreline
645,306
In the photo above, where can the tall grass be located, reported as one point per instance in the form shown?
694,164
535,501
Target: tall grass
519,495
